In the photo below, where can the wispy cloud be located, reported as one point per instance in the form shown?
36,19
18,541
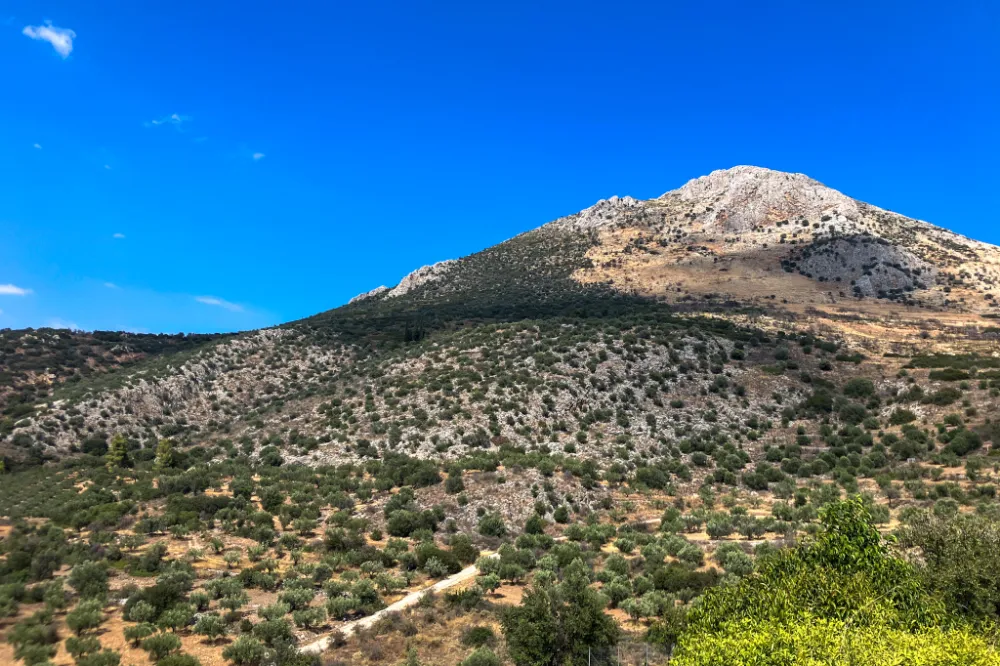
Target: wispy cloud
258,156
13,290
111,285
219,303
61,39
174,119
38,146
108,167
56,322
118,235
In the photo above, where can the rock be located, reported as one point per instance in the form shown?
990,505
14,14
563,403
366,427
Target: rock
421,276
377,291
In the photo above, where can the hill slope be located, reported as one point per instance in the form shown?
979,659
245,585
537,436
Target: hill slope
588,333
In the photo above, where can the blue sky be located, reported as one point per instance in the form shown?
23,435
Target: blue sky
200,166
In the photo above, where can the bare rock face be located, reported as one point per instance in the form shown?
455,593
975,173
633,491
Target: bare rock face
873,267
603,213
745,197
377,291
421,276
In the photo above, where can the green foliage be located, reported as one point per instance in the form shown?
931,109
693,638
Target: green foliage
245,651
832,643
901,416
838,598
104,658
492,525
482,657
960,560
89,579
211,626
88,614
859,387
478,636
556,624
160,645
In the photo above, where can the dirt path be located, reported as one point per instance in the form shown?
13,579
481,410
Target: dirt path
319,646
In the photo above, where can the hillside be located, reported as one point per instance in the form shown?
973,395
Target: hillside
616,294
627,411
34,363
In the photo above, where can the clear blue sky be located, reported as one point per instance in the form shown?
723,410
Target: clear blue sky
275,158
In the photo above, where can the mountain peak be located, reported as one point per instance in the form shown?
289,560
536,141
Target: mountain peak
745,196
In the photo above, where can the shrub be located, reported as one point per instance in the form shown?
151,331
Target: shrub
901,416
859,387
160,645
89,579
142,611
136,633
101,658
309,618
482,657
560,623
492,525
245,651
961,560
478,636
211,626
802,595
88,614
179,659
834,642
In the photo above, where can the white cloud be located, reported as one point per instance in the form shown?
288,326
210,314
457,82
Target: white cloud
56,322
108,167
111,285
61,39
258,156
174,119
13,290
118,235
218,302
38,146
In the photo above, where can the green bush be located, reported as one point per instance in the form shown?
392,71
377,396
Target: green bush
89,579
160,645
901,416
562,623
482,657
859,387
840,597
492,525
88,614
960,557
478,636
245,651
832,643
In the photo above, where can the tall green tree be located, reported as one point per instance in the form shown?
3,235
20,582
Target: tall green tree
117,455
560,624
164,455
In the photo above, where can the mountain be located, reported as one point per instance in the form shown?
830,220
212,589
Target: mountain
647,432
514,343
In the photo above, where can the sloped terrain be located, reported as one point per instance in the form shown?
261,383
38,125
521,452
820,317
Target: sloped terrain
635,424
525,338
33,362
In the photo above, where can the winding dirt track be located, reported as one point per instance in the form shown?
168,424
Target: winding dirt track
320,645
